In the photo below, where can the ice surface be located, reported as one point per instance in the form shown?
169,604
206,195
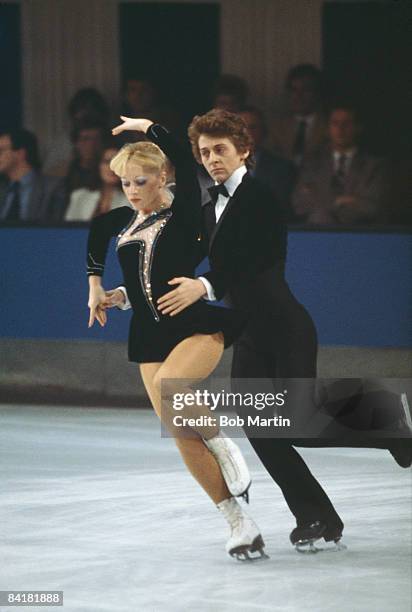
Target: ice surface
95,503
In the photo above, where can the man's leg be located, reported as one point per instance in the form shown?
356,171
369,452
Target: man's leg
304,495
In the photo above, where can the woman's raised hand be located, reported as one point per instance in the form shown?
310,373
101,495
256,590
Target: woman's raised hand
131,124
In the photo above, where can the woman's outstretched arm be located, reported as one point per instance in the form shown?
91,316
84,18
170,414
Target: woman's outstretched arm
101,231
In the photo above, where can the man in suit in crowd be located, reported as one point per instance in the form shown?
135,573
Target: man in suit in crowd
270,169
303,129
341,184
30,196
245,238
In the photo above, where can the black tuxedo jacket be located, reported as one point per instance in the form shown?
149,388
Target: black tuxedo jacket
246,248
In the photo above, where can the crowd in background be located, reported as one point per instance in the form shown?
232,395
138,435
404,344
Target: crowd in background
313,157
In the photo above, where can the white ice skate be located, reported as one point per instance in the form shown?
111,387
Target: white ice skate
232,464
245,542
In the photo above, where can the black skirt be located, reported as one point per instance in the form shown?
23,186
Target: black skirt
154,340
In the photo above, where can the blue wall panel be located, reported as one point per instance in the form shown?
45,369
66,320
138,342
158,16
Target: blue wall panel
356,286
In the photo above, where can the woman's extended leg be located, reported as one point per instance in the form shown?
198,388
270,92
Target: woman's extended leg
194,357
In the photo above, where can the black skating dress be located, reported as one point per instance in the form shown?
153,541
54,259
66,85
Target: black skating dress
152,251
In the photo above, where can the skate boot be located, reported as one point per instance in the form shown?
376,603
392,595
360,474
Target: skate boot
232,464
245,538
304,538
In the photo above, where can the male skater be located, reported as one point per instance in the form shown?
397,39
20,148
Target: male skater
245,238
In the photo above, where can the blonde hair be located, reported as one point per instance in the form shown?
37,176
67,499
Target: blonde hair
145,154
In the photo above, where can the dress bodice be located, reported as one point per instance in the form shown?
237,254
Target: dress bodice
145,230
155,248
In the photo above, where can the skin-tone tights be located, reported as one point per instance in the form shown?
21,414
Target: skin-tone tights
194,358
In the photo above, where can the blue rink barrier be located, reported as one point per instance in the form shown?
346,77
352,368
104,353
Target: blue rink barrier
357,286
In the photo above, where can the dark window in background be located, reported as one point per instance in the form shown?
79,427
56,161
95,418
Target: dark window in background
10,67
177,46
367,49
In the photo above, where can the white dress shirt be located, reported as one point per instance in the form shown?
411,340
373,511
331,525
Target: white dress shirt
308,119
231,185
348,159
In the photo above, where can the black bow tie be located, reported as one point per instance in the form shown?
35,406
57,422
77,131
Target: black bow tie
216,190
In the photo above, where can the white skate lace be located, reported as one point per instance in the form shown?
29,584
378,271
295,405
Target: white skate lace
229,463
226,461
237,525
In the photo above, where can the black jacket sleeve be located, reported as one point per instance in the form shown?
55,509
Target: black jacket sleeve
187,203
102,229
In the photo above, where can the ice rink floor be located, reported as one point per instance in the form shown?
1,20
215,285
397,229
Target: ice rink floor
95,503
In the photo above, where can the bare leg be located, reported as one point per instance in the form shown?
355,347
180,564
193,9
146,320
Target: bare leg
194,357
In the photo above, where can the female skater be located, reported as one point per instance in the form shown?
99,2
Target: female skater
158,240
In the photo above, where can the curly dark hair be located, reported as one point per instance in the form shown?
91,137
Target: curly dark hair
218,122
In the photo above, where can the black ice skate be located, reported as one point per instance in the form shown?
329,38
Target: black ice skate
304,538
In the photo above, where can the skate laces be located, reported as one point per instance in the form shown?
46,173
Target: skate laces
237,524
227,457
236,519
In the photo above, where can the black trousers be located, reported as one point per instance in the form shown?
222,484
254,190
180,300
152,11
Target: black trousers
282,344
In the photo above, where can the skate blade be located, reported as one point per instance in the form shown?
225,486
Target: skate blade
247,556
308,547
251,553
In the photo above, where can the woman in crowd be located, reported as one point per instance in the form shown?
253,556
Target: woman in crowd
157,241
86,203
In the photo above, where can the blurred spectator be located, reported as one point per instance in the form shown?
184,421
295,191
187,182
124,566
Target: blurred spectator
304,128
277,173
85,203
142,100
30,196
230,93
4,183
341,184
87,104
82,170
